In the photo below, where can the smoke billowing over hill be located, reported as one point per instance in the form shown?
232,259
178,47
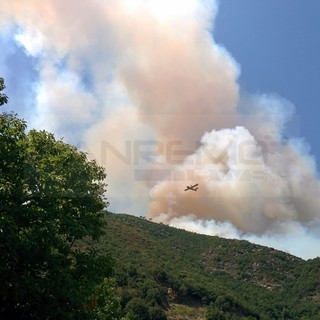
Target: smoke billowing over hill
145,89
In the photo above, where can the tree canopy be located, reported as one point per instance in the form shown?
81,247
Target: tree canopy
51,196
3,97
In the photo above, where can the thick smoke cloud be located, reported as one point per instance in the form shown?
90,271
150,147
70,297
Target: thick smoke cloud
144,89
241,184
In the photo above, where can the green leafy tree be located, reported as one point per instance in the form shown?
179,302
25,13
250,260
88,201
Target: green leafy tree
156,296
214,314
51,197
105,301
136,309
157,313
3,97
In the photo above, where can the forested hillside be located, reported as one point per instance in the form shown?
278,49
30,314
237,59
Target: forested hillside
63,257
192,276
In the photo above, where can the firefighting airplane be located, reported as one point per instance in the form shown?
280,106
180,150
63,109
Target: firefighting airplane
192,187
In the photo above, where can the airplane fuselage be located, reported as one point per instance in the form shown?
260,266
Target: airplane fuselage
192,187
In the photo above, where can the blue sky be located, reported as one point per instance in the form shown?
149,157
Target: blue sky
277,44
115,76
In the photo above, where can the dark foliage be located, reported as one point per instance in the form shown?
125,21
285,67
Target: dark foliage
3,97
233,279
51,196
136,309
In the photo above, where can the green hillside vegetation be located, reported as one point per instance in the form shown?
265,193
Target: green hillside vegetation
63,257
193,276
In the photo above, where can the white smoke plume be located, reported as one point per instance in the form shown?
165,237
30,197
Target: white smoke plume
143,87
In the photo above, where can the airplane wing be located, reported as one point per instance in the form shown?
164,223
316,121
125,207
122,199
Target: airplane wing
192,187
